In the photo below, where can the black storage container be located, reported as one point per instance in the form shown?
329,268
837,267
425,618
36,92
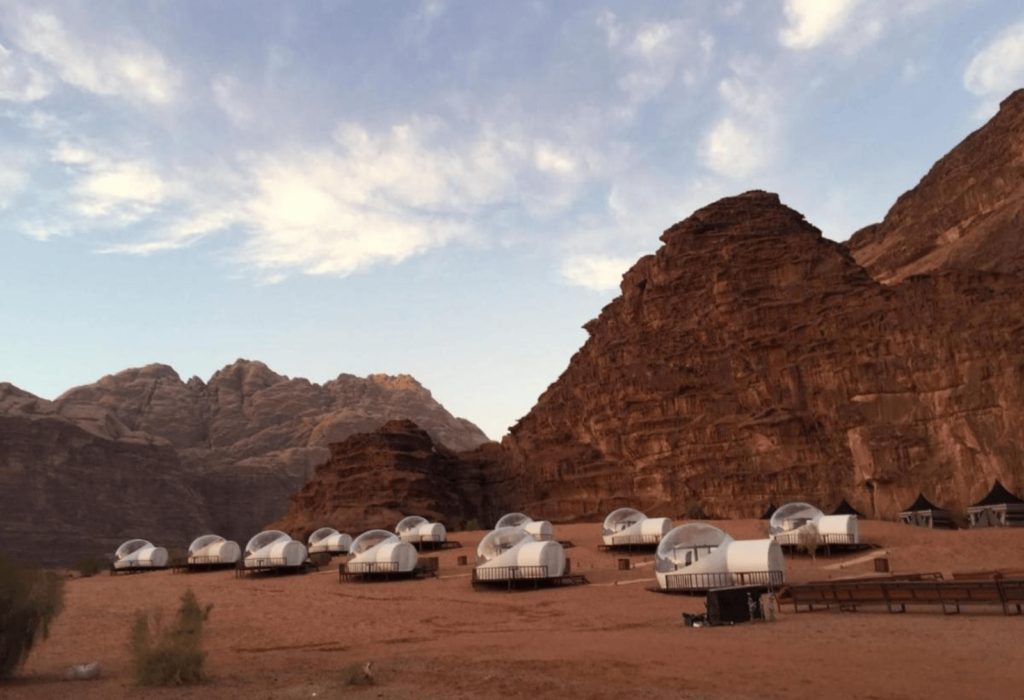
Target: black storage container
735,604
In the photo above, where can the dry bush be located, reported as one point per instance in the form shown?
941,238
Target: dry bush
171,655
321,559
90,566
358,674
809,539
30,599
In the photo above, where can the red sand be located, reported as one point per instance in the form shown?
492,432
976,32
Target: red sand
290,637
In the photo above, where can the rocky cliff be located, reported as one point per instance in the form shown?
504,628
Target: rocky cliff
751,360
234,447
966,213
76,486
375,479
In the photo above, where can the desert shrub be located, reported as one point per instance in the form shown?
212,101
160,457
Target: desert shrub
176,556
809,539
90,566
169,655
471,524
693,510
358,674
320,558
30,599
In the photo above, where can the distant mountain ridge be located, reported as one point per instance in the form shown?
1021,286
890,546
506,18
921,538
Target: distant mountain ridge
228,451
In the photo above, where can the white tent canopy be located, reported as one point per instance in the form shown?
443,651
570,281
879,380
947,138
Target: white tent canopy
790,520
513,553
415,529
140,554
380,551
272,548
627,526
213,550
327,539
701,556
540,529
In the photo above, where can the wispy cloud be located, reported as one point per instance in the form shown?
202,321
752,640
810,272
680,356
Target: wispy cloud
121,192
997,69
596,272
366,198
14,177
19,81
655,54
813,22
227,95
110,66
744,140
850,25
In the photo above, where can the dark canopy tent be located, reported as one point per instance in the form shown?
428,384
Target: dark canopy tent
999,508
769,511
923,513
998,496
845,508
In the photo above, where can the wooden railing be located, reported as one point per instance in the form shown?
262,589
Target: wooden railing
707,581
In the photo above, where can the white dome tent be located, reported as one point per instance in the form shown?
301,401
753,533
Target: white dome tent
790,520
329,540
628,527
274,550
509,554
698,557
140,555
419,531
540,529
213,551
381,553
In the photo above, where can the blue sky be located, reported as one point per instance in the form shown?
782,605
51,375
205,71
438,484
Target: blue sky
448,189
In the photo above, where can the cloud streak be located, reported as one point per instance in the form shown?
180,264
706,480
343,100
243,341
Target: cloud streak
997,69
116,67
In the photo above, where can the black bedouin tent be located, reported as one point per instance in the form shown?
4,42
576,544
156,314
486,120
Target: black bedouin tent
999,508
844,508
769,511
923,513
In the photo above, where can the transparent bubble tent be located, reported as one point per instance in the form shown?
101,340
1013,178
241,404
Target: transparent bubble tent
273,548
790,520
628,526
508,553
213,550
415,529
380,551
698,556
329,540
140,554
540,529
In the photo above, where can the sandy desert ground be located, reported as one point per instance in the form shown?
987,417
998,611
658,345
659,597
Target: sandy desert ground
291,637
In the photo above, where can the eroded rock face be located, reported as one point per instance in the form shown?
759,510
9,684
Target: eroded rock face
966,213
235,448
78,487
373,480
751,360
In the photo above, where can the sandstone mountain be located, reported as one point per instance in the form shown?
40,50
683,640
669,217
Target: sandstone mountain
75,486
966,213
236,447
751,360
375,479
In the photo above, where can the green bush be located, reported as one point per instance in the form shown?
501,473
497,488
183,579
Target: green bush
30,599
170,656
